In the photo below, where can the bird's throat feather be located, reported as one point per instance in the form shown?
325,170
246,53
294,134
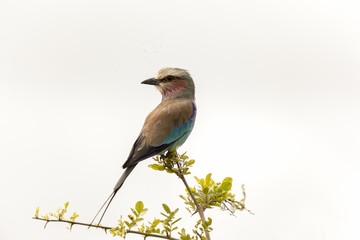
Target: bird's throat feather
174,87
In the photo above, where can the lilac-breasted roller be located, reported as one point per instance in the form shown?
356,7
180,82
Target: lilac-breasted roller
168,126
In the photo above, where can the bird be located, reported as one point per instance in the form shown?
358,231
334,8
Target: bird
165,128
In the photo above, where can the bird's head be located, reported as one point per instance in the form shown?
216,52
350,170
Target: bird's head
173,83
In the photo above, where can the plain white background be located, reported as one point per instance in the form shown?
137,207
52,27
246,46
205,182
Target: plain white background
278,110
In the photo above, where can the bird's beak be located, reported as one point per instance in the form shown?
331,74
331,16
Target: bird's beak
151,81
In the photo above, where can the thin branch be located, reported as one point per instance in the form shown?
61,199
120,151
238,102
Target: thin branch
227,208
104,228
199,208
151,235
197,233
73,223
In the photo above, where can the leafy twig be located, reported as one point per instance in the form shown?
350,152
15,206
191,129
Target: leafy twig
198,207
206,195
178,164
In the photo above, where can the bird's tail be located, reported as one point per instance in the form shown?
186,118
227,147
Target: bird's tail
112,195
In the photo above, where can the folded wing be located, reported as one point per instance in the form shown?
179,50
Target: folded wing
165,128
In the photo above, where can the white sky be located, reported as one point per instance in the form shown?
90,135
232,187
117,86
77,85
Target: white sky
278,109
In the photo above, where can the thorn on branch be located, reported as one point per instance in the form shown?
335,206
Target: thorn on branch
45,223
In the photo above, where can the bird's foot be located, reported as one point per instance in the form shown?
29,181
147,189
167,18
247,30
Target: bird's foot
171,154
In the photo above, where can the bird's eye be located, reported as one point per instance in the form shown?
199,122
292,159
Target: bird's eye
169,78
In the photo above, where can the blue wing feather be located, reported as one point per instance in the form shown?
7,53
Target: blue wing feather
176,138
179,131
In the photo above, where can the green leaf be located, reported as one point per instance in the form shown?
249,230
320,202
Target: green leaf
208,178
139,206
66,204
154,166
176,220
166,208
156,221
134,212
37,212
227,179
226,184
143,212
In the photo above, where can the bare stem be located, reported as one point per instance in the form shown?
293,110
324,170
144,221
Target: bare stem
104,228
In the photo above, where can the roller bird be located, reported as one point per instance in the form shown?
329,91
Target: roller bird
167,127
